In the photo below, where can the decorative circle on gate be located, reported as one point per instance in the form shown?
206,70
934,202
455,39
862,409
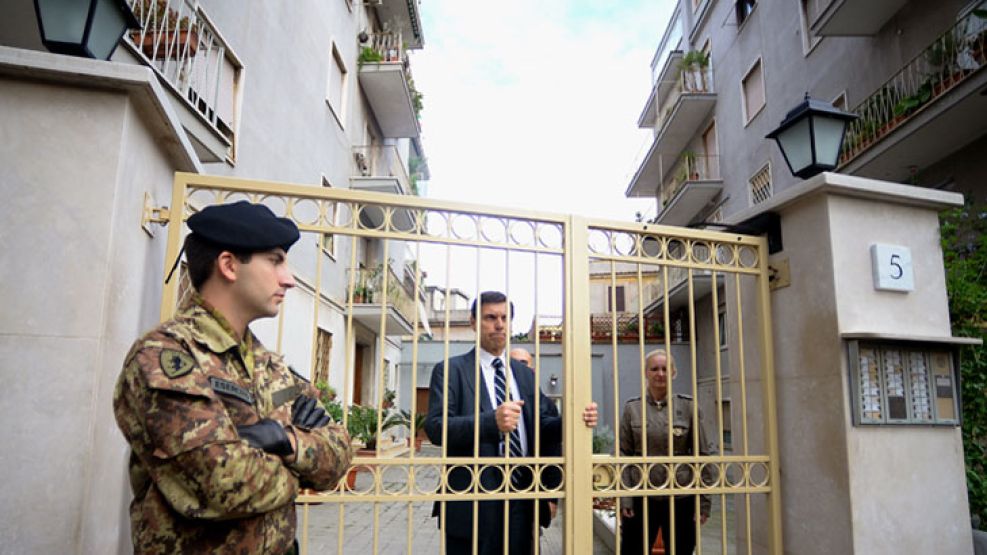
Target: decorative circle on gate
676,250
623,244
459,470
758,474
550,236
651,246
492,474
598,241
734,475
463,227
604,477
658,477
366,478
687,479
493,230
709,475
436,224
747,256
426,478
344,214
551,477
522,233
632,475
726,255
520,473
701,252
307,211
395,479
277,204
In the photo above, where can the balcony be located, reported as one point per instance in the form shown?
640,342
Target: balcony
603,326
931,108
370,302
197,67
680,102
388,87
693,183
379,168
854,17
403,14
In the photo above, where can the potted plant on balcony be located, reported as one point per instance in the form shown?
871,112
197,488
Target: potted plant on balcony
692,68
419,428
168,37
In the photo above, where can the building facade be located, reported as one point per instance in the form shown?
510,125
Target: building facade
314,93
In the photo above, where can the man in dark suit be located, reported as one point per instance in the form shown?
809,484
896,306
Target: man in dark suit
506,422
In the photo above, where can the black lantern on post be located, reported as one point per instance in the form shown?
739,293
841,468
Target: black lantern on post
811,137
88,28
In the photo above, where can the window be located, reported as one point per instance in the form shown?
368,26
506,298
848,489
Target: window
806,12
744,9
752,90
323,348
760,185
338,76
329,239
840,101
619,294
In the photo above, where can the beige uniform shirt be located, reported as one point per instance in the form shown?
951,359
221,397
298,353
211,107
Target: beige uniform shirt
632,442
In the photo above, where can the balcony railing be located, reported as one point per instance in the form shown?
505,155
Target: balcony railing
690,81
690,168
182,45
947,62
382,161
387,46
602,327
369,289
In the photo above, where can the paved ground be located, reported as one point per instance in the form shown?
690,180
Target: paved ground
391,534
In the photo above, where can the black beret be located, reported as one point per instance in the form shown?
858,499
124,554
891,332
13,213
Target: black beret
243,226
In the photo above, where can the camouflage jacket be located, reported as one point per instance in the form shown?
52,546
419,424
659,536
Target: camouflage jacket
631,443
199,488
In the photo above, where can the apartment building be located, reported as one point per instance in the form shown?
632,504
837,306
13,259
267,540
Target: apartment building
314,93
725,74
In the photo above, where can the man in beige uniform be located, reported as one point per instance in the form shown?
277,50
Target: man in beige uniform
659,368
222,432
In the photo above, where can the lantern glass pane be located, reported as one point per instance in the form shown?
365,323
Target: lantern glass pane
63,20
829,133
108,27
795,142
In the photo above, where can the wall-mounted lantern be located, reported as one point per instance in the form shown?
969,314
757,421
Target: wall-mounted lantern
811,136
88,28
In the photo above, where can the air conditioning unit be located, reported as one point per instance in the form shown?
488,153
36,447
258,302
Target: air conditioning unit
362,164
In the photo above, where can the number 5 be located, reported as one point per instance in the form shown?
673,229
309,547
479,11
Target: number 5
894,263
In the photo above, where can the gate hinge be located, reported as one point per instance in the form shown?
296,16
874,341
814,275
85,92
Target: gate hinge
152,214
779,274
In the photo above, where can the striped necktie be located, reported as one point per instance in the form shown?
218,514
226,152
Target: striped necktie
500,390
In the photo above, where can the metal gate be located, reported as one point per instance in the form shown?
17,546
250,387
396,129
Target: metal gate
374,268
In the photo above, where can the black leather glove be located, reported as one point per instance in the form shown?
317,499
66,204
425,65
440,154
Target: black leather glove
308,414
267,435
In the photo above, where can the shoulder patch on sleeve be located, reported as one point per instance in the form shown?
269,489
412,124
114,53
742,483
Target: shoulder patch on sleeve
684,396
176,364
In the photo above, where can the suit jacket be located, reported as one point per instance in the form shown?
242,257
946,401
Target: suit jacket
461,418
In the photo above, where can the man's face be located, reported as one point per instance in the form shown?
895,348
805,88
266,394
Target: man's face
493,327
656,370
262,283
522,356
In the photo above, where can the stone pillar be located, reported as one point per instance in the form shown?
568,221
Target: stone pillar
845,488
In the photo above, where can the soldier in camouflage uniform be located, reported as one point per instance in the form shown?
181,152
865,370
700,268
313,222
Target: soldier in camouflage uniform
222,432
658,366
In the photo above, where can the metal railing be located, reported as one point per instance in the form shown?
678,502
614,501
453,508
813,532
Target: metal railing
368,289
689,81
382,161
691,167
179,41
388,46
948,61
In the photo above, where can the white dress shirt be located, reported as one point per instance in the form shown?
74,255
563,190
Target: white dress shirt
487,371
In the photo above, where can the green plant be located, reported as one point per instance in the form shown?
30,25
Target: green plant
910,103
602,439
369,56
964,245
417,98
362,424
419,420
163,17
327,397
389,396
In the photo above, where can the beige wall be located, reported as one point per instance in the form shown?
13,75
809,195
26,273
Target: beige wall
76,288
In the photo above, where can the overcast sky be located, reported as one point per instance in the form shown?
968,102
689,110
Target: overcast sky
534,104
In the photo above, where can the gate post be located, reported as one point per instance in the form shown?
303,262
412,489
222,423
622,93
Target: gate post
577,355
853,482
